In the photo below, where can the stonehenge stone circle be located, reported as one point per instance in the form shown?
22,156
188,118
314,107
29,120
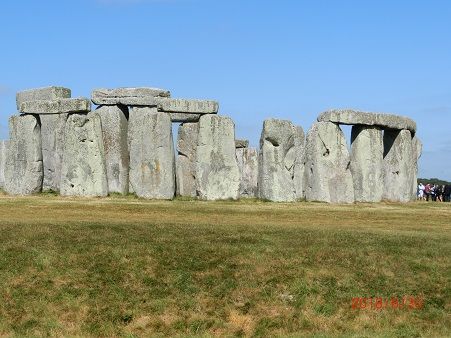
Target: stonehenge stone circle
46,93
276,161
367,163
327,169
398,165
3,150
52,139
186,159
126,145
349,116
23,168
217,173
248,167
83,171
114,134
152,159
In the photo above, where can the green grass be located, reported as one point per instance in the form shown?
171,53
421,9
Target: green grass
123,266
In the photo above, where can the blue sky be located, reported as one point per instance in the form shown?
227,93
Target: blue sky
286,59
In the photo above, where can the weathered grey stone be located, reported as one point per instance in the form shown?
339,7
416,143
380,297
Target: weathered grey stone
45,93
217,173
59,106
398,165
182,117
328,176
52,138
248,166
3,151
187,106
417,149
241,143
367,163
186,159
24,170
152,160
141,96
349,116
299,163
276,161
83,171
114,133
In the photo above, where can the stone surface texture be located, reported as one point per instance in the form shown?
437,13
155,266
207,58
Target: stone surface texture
114,134
139,96
23,168
187,106
248,166
152,159
83,171
184,117
58,106
349,116
398,165
186,159
217,173
328,176
52,138
299,163
241,143
277,160
367,163
3,150
417,149
45,93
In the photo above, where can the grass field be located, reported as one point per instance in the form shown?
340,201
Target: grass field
130,267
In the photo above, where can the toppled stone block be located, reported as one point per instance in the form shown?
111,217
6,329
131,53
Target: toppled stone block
367,163
23,168
276,161
59,106
248,167
3,151
398,165
187,106
217,173
186,159
52,138
241,144
45,93
114,134
139,96
349,116
152,159
83,171
328,176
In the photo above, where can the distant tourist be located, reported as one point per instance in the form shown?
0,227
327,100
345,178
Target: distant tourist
427,191
420,193
447,193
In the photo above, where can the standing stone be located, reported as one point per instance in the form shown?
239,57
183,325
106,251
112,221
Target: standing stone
417,148
114,133
367,163
398,165
186,159
299,164
152,160
217,173
52,138
277,160
3,151
83,171
248,166
327,170
24,170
